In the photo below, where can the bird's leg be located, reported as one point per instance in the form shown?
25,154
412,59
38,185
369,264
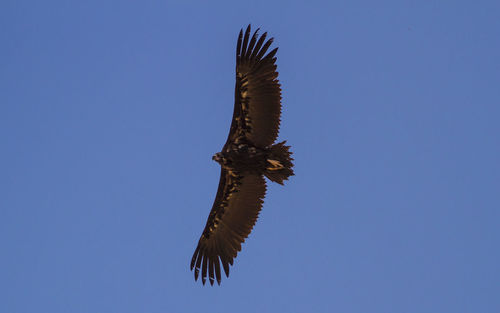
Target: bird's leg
276,165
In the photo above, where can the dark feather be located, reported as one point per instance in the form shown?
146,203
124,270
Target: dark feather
223,236
258,92
258,46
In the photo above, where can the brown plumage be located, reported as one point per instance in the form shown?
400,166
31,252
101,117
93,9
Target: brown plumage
247,156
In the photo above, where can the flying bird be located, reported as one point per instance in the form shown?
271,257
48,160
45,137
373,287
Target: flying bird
248,156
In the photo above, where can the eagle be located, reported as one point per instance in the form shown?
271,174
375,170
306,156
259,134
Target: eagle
248,156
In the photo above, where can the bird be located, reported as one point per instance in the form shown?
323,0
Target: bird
248,156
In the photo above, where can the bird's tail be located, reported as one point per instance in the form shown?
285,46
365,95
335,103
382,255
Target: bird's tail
279,163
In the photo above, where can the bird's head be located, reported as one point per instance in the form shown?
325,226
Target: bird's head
218,157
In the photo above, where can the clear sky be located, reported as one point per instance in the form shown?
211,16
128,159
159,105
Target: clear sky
110,112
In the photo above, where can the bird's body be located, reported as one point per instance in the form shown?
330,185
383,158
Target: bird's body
248,155
241,157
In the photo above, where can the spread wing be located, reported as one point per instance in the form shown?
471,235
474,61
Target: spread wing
257,103
234,213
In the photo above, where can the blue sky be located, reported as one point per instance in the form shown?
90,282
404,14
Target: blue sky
110,112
